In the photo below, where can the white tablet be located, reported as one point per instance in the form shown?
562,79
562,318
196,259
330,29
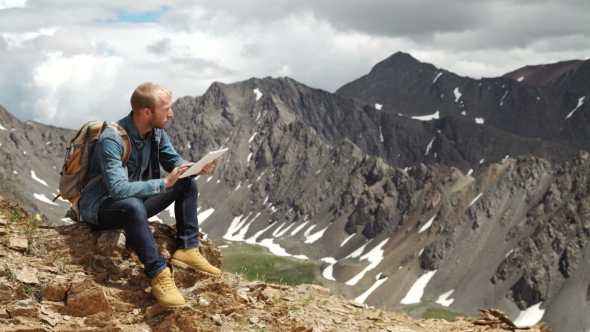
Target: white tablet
198,166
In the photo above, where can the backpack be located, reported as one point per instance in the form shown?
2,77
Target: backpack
77,161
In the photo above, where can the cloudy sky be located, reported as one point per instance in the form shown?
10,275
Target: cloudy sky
66,61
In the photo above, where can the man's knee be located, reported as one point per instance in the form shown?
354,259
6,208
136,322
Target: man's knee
134,206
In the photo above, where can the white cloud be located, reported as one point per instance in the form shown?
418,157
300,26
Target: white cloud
63,64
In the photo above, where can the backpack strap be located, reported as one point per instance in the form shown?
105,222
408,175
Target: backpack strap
126,141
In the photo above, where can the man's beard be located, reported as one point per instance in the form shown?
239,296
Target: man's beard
159,125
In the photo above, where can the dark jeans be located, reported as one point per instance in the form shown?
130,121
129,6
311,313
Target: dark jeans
132,214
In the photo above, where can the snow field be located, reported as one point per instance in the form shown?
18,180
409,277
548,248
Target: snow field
417,290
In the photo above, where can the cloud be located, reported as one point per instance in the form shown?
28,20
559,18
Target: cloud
63,63
160,47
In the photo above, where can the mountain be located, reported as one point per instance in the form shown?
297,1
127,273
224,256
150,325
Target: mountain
533,108
398,210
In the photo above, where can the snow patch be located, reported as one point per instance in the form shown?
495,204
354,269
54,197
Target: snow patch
170,210
328,272
281,233
520,79
470,171
580,103
155,219
463,113
2,128
258,94
363,297
298,228
204,215
444,299
426,225
481,161
375,256
417,290
359,251
475,199
43,199
531,316
381,134
429,146
34,176
427,117
479,120
316,236
252,137
249,157
378,106
457,94
436,78
258,178
504,96
346,240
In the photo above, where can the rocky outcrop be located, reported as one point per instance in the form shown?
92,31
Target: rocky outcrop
98,286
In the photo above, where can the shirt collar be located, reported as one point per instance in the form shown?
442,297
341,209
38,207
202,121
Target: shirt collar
133,132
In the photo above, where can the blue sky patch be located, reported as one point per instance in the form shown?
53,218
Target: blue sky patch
146,17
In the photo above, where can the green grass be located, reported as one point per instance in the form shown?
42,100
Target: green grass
256,264
425,311
440,313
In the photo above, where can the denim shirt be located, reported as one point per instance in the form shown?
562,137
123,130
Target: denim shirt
106,160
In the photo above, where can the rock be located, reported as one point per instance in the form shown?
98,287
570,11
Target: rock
217,319
26,275
254,320
110,242
18,243
356,304
49,320
154,311
4,313
203,302
307,289
55,292
3,231
25,308
101,320
183,319
57,307
87,298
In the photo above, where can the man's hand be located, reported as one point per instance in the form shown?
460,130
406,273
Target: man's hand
208,168
171,179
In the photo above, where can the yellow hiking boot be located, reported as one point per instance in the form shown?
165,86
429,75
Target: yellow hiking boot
165,291
192,259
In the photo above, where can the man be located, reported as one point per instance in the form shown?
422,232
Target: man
127,195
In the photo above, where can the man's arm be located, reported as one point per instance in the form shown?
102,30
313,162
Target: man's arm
169,158
114,176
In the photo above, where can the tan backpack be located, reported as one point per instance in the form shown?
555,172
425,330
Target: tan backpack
77,161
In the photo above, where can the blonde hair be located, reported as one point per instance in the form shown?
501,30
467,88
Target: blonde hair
146,95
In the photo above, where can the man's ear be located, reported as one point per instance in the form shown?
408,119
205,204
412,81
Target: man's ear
145,111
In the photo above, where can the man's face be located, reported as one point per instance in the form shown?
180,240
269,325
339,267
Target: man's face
163,113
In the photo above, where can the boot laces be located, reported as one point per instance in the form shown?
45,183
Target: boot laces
167,282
